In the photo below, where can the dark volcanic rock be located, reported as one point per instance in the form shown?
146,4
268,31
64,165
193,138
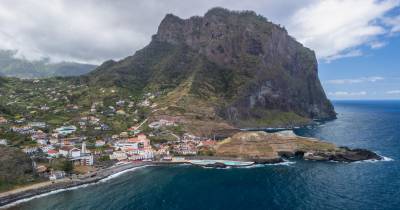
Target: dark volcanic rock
267,161
216,165
343,155
281,73
351,155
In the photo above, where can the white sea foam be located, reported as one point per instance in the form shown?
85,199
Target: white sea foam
70,188
181,165
228,167
120,173
43,195
210,167
254,166
284,163
384,159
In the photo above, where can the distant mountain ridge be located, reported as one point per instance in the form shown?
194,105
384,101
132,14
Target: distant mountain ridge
228,65
10,66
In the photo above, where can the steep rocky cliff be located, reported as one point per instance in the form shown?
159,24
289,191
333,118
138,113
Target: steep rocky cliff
228,65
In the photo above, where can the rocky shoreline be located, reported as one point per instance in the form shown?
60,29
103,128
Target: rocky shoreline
255,147
263,148
347,155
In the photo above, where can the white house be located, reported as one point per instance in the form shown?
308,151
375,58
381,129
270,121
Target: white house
75,152
86,160
56,175
30,150
123,145
3,141
42,141
65,130
100,143
118,155
69,151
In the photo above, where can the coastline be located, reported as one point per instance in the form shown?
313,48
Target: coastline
13,196
18,195
23,194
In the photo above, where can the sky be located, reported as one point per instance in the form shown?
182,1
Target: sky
357,42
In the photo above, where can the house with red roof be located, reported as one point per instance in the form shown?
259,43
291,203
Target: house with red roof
53,153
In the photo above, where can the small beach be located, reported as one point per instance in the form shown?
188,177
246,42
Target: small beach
41,188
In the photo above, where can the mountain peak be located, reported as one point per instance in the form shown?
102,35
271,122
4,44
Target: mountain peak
218,11
235,64
223,12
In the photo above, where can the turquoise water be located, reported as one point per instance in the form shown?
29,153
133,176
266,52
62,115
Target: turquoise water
226,162
300,184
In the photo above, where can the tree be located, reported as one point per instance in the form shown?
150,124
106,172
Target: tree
67,166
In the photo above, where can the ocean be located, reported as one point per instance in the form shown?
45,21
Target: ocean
296,184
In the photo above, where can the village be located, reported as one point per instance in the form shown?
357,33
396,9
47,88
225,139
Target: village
100,136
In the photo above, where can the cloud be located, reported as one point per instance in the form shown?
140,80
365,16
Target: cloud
377,44
353,81
393,92
98,30
67,30
349,54
347,94
393,23
335,27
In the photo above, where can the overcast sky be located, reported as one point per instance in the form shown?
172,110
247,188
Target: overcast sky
94,31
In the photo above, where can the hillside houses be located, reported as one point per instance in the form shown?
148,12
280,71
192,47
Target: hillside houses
25,130
161,123
70,151
113,128
37,124
136,148
65,130
100,143
3,120
78,156
30,150
52,153
3,142
39,135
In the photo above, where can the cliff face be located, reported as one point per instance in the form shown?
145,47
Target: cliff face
248,69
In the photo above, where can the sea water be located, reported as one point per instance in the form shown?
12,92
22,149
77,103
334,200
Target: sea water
296,184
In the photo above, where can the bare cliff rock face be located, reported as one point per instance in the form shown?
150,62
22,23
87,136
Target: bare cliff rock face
247,69
271,69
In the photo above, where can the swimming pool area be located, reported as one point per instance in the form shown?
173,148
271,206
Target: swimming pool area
225,162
